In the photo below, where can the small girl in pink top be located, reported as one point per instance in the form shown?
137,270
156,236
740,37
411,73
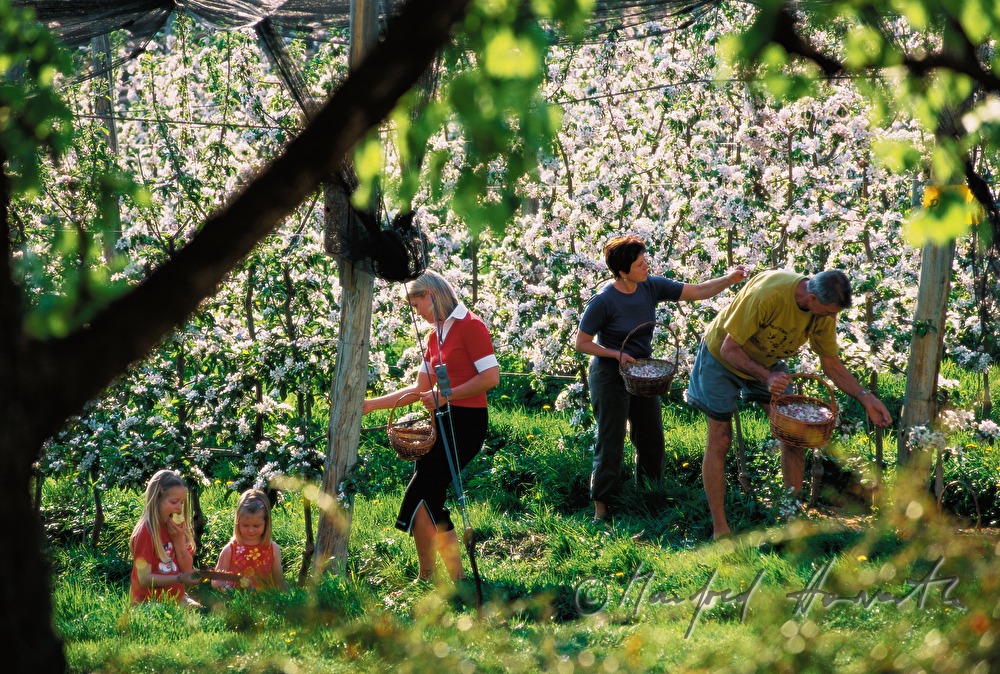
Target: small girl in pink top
251,552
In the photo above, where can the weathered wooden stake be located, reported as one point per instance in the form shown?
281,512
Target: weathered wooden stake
925,349
104,89
350,372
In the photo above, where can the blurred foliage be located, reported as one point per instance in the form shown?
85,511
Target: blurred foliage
490,95
34,120
934,59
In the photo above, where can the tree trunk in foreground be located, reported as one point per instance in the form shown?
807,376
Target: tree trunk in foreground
24,567
350,377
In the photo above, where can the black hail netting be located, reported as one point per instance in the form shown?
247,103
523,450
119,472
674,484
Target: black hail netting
395,250
77,21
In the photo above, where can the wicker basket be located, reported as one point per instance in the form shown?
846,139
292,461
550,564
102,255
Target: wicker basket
648,386
797,432
411,439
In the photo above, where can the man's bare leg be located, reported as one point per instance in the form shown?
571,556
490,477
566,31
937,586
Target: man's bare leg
713,472
793,467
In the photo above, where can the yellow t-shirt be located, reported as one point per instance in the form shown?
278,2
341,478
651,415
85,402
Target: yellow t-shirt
767,322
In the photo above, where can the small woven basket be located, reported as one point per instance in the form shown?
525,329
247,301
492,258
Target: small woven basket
411,439
644,385
798,432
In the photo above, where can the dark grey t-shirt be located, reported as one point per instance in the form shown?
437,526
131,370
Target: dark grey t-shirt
611,314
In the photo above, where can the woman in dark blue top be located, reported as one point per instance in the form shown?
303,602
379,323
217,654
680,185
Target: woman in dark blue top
629,300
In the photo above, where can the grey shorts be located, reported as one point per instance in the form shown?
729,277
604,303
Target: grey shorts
715,390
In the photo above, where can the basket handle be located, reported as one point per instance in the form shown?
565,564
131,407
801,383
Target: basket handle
411,394
807,375
677,342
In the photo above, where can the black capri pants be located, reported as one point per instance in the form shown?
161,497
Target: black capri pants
431,475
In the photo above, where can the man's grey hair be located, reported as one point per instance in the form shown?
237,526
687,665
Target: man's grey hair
831,287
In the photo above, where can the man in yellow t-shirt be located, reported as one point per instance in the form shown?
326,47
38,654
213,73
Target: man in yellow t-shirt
773,315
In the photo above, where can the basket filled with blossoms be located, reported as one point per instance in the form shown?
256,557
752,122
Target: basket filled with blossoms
410,437
649,376
803,421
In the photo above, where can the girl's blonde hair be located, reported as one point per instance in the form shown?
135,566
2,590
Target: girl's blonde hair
251,502
443,294
161,482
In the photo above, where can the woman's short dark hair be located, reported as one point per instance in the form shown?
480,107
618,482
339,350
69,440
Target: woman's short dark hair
621,252
831,287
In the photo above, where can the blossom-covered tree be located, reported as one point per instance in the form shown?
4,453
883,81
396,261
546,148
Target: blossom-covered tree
711,172
711,167
938,59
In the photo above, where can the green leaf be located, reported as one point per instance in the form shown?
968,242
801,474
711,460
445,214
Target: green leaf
898,156
949,213
571,14
46,75
367,166
946,163
368,159
437,160
976,21
862,45
403,127
915,11
509,56
142,197
555,115
495,8
938,226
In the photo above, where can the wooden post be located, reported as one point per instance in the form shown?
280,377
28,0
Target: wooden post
919,407
925,349
100,55
350,372
100,49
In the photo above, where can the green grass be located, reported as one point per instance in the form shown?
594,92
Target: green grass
547,570
531,623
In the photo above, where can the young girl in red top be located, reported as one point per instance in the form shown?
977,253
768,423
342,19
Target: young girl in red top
162,543
251,552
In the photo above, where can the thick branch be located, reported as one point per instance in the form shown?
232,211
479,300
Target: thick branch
786,35
964,60
957,54
959,64
82,364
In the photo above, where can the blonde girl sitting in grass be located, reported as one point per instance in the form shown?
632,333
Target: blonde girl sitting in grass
162,543
251,552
